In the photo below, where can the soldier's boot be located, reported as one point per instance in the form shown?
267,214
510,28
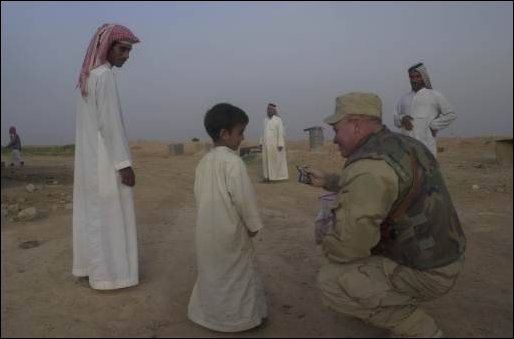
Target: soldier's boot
417,325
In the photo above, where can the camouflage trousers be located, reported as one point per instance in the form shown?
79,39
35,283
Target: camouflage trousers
386,294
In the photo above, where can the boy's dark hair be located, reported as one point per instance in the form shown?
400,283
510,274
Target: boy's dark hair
223,116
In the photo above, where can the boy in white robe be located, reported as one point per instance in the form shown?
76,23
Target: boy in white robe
228,295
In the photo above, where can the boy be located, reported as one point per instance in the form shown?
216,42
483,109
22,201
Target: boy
228,295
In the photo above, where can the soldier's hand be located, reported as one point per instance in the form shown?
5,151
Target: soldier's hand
317,176
407,122
128,177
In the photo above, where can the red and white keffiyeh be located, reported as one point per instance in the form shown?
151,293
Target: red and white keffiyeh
96,54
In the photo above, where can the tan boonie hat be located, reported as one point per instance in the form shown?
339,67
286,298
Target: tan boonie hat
360,103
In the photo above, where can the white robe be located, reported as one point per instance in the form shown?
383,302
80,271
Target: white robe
104,229
429,110
228,295
274,162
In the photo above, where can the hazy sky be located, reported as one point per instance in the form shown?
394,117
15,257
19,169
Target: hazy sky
299,55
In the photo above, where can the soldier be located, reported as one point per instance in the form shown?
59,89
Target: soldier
397,240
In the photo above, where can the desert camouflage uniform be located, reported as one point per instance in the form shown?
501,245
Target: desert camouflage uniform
368,274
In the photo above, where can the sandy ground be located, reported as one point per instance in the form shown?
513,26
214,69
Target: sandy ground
40,298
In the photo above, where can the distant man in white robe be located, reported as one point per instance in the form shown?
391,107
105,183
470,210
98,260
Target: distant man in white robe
422,112
274,162
104,229
228,295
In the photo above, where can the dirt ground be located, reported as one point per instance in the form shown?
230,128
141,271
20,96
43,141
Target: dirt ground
40,297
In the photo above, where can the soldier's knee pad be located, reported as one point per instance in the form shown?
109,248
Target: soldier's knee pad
365,286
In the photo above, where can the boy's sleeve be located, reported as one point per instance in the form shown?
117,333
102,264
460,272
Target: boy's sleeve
243,198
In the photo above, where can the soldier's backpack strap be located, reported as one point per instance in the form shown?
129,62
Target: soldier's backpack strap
405,203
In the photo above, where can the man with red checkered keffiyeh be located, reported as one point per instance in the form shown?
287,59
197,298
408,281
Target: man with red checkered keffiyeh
104,229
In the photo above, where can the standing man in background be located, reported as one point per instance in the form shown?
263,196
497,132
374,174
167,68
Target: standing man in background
422,112
274,162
